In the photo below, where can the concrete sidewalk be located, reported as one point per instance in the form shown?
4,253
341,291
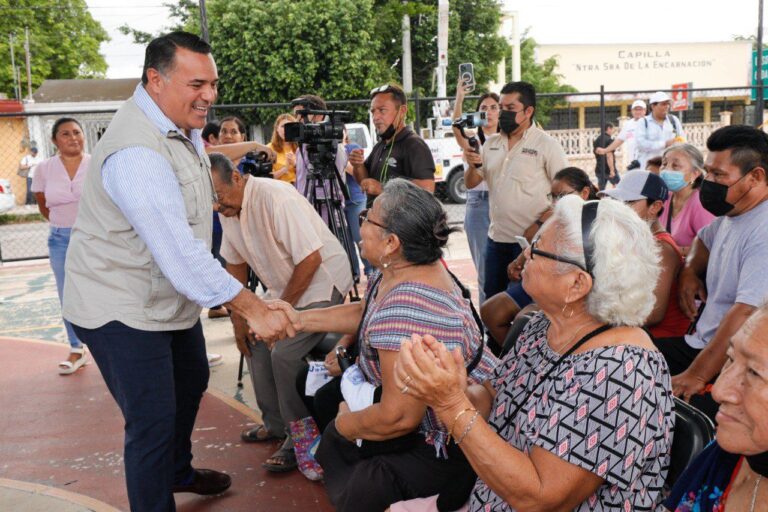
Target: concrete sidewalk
61,437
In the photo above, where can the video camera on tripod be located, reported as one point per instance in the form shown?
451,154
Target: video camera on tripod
325,189
321,139
471,120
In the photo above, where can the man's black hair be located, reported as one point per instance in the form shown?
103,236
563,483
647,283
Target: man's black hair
608,125
310,102
161,51
748,145
397,92
222,166
526,91
211,128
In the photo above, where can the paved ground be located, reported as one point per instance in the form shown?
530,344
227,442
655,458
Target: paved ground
61,437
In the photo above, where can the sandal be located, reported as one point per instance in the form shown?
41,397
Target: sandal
68,367
284,460
258,434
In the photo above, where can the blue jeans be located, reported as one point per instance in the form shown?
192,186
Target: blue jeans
58,241
352,211
157,380
498,256
476,223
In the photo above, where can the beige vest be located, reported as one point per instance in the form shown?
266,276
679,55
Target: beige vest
110,272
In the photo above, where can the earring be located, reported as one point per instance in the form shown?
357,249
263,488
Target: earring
563,311
385,265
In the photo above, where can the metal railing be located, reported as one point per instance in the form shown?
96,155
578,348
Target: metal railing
28,240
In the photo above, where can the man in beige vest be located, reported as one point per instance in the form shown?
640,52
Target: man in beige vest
140,269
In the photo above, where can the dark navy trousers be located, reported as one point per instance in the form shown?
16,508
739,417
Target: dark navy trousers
498,256
157,380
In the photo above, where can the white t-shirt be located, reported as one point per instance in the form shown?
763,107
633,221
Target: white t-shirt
32,162
627,134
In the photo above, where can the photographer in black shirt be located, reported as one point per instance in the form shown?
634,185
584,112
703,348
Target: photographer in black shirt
400,152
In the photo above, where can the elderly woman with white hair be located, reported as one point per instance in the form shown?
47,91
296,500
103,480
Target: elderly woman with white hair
581,413
727,475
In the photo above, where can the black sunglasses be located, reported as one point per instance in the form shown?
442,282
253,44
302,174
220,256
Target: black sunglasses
588,215
555,257
363,217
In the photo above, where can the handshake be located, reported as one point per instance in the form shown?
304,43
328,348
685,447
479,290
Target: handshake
272,321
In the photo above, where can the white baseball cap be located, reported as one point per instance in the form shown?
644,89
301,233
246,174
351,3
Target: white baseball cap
636,185
638,103
659,97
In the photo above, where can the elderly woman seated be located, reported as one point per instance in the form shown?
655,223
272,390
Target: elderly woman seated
726,476
404,451
581,412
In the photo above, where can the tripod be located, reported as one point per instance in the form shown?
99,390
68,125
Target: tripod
325,190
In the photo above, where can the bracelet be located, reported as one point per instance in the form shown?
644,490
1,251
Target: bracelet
469,427
450,430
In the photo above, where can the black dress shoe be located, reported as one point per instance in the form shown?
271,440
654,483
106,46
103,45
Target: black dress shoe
206,482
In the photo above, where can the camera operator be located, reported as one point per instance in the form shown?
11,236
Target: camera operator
271,228
303,165
400,152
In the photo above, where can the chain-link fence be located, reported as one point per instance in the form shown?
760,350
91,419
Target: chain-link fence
573,119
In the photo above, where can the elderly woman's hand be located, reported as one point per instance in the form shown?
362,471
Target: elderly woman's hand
426,370
294,317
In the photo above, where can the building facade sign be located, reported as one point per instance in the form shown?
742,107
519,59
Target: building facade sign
627,67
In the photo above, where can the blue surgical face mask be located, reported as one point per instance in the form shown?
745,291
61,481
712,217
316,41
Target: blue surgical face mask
675,180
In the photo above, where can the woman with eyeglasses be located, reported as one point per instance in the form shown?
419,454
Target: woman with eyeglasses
476,215
385,445
580,415
499,311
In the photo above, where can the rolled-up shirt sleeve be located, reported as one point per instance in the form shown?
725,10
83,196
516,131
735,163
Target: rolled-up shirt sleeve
158,215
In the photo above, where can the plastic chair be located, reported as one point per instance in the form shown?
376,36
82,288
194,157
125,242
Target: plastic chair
514,332
693,431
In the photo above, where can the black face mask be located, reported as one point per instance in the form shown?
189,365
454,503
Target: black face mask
712,196
388,133
508,122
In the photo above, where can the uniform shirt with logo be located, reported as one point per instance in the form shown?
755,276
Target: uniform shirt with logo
519,179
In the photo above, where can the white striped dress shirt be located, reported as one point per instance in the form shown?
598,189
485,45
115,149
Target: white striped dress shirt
142,184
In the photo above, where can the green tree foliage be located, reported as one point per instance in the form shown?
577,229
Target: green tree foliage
275,50
64,41
543,77
271,52
472,37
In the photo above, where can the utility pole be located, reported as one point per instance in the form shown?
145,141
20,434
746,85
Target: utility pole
516,46
13,67
204,22
760,103
407,65
29,67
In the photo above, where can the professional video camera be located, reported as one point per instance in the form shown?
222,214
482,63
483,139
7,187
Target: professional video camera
471,120
257,165
321,139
